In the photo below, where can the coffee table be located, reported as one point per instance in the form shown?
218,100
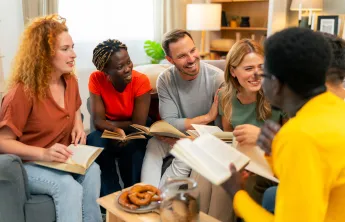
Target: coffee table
114,214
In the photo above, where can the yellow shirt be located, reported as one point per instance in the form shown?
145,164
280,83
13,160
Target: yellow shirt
308,157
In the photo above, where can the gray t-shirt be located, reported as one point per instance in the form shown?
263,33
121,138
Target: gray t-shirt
180,99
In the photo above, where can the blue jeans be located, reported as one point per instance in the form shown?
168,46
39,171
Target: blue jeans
74,195
129,157
269,200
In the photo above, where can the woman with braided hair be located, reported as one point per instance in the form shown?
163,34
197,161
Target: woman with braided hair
119,97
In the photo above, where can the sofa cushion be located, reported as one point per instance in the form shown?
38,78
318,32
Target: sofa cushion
152,71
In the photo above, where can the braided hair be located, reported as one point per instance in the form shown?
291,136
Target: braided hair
104,50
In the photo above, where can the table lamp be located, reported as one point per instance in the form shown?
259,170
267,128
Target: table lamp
203,17
306,5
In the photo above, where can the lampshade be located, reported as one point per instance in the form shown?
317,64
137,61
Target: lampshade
314,5
204,17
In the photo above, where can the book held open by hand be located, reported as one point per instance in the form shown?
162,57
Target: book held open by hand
82,158
160,128
116,136
211,157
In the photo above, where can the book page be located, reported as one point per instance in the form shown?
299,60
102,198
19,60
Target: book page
81,154
141,128
112,135
203,129
198,160
225,136
221,151
163,128
258,163
209,156
193,133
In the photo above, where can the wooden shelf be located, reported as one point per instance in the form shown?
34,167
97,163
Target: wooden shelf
245,28
218,50
229,1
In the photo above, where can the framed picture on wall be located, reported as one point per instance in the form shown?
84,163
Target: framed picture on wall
328,24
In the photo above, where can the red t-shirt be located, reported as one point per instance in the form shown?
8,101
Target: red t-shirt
118,106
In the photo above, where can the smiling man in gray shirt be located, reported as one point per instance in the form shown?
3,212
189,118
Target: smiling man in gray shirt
187,95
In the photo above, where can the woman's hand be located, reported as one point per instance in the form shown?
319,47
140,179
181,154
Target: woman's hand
56,153
78,134
246,134
120,131
213,113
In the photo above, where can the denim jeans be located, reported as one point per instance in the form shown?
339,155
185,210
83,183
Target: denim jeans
269,200
74,195
129,157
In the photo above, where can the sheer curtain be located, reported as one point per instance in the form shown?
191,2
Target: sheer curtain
168,15
34,8
91,22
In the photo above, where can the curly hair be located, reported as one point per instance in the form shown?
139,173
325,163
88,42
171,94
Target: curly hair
33,62
299,58
234,58
103,52
336,72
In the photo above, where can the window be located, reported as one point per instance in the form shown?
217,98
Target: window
91,22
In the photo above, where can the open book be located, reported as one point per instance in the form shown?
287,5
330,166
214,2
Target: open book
214,130
160,128
209,156
115,136
258,163
82,158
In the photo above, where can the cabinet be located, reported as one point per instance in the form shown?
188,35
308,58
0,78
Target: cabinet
256,10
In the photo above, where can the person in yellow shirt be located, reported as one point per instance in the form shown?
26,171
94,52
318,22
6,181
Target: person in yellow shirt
335,76
308,151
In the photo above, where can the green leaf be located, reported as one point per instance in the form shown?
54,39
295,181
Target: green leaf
154,50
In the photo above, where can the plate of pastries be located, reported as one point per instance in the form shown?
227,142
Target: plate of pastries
140,198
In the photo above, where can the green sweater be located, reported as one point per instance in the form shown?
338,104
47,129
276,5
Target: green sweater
246,114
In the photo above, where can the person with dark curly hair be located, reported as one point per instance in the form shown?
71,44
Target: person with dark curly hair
308,151
119,97
335,75
40,116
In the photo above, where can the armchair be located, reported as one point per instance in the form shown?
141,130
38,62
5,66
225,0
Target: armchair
17,204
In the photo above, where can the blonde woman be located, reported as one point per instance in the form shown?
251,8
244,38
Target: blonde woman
40,116
243,106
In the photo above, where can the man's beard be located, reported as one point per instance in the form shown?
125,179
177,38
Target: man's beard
190,74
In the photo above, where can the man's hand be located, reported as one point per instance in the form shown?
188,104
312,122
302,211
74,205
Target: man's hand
246,134
56,153
267,133
169,140
234,183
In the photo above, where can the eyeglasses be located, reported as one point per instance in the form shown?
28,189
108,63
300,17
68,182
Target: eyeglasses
263,75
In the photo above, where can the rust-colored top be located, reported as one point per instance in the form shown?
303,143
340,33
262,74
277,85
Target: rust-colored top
41,122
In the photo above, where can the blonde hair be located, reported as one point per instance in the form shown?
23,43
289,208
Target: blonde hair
33,62
233,59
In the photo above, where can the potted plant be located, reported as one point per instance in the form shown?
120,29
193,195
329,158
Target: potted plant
154,50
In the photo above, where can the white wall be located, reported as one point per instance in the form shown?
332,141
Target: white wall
11,27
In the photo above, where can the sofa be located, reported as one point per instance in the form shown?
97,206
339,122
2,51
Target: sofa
152,71
16,203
